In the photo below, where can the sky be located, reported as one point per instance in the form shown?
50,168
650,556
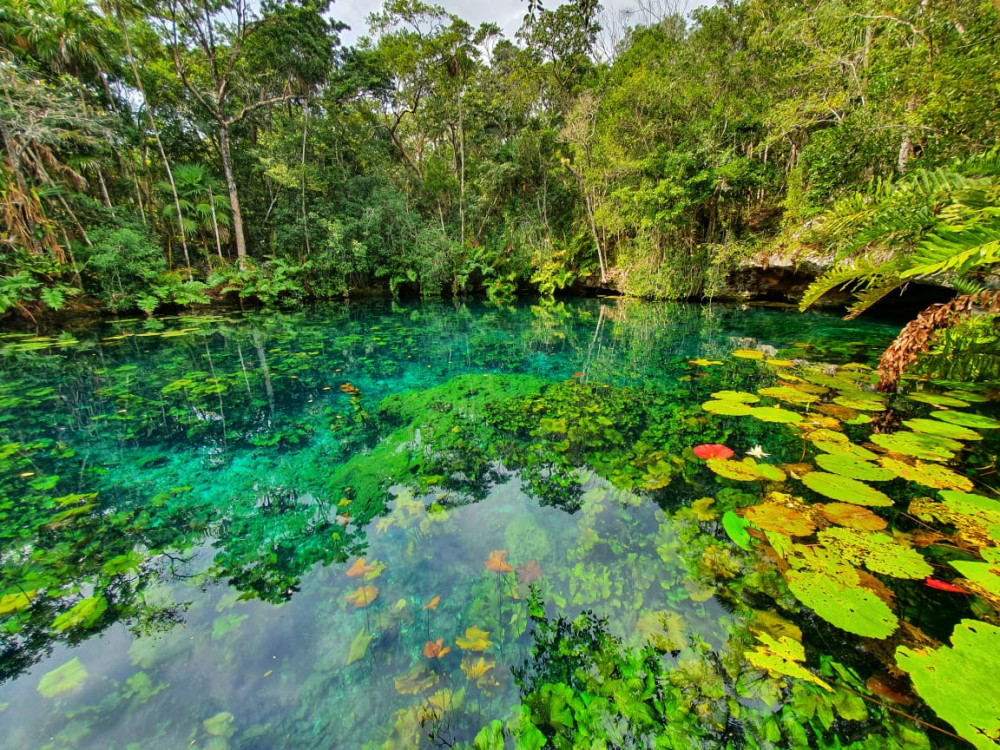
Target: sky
507,14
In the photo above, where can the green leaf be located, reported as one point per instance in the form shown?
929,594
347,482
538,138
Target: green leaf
943,429
849,607
789,393
774,414
84,613
748,354
738,396
847,466
359,646
927,447
736,528
929,475
844,489
936,399
860,403
955,681
727,408
975,421
880,553
782,657
63,679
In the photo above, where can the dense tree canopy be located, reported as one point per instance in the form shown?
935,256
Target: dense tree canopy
174,152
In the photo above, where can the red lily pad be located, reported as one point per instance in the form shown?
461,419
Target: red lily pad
712,450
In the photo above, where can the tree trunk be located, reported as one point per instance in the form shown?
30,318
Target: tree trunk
234,199
215,221
302,166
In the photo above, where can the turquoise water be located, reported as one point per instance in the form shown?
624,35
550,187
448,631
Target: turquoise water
184,499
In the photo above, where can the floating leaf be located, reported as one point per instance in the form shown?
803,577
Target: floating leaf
84,613
848,466
782,657
748,354
712,450
702,362
845,489
497,562
736,528
860,403
780,518
789,393
223,724
955,680
359,646
746,470
474,640
985,576
944,429
928,447
727,408
936,399
739,396
929,475
880,553
975,421
63,679
362,596
838,444
976,398
853,516
843,603
418,679
775,414
663,630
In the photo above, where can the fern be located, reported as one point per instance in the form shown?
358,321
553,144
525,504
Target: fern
961,252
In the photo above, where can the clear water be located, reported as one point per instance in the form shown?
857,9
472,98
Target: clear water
242,466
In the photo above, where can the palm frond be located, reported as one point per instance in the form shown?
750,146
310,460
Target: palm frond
961,252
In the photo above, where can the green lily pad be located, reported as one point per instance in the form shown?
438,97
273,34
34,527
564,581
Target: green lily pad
63,679
937,399
975,398
878,552
774,414
746,470
748,354
738,396
985,574
844,489
843,603
788,393
782,657
918,445
848,466
942,429
929,475
838,444
780,519
955,680
975,421
727,408
860,403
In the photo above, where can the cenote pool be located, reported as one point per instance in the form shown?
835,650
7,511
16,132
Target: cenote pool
408,526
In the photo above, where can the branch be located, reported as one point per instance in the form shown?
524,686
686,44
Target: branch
257,105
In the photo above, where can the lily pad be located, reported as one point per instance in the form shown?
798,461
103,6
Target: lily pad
860,403
748,354
845,489
63,679
928,447
843,603
929,475
937,399
782,656
955,680
943,429
853,516
781,519
986,576
746,470
975,421
774,414
788,393
847,466
975,398
880,553
727,408
738,396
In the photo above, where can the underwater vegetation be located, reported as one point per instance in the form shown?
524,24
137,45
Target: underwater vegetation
586,525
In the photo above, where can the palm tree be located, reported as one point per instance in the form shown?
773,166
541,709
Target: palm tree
202,202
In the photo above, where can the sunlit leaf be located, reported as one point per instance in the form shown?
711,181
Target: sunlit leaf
727,408
848,466
789,393
844,489
775,414
84,613
782,656
955,680
878,552
780,518
944,429
738,396
975,421
474,640
853,516
844,604
929,475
